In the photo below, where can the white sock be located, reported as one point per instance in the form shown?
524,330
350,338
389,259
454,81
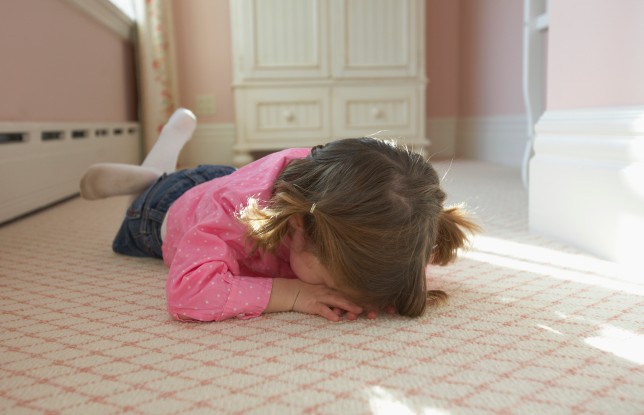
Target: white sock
174,135
112,179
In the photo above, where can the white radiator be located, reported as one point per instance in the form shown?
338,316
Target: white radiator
41,163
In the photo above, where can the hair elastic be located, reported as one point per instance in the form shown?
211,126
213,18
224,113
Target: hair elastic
312,208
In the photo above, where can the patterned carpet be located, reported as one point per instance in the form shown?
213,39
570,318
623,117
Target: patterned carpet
532,327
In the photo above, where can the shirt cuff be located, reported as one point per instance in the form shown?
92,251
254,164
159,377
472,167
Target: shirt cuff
248,297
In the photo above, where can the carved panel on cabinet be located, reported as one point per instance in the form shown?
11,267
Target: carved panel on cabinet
271,113
288,115
390,113
282,38
360,111
375,38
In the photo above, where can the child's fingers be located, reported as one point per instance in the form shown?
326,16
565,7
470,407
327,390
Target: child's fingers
325,302
327,313
348,314
390,309
337,301
351,316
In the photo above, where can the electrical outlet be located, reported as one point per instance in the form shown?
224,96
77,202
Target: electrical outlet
204,105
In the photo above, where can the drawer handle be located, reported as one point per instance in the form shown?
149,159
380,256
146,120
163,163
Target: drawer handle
289,115
377,112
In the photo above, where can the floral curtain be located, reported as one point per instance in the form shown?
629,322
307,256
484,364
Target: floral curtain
158,95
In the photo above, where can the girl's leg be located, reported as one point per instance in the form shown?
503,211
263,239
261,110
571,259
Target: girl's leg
112,179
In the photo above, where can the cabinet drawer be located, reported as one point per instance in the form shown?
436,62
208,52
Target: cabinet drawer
278,113
360,111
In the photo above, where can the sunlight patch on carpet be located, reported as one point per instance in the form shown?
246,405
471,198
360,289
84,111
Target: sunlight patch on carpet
555,264
620,342
383,402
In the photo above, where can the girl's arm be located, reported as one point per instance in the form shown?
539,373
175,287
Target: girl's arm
296,295
210,292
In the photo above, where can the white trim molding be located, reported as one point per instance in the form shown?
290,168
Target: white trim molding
105,12
587,180
495,139
211,143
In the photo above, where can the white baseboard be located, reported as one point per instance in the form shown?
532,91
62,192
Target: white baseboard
587,181
497,139
210,144
441,132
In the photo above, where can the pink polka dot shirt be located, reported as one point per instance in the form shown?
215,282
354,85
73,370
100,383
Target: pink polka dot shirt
212,276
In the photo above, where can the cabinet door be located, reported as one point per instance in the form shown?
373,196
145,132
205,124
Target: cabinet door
280,38
376,38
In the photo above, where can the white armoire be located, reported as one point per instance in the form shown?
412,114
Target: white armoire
310,71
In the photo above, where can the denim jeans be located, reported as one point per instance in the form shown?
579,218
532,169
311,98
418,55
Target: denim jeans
140,232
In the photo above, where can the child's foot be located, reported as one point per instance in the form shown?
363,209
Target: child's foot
112,179
175,134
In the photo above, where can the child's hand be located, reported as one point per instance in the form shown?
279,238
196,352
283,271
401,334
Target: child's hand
299,296
324,301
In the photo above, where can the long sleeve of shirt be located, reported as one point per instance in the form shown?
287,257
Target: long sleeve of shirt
212,275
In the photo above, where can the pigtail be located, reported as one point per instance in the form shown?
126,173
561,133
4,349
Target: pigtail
436,298
268,225
454,229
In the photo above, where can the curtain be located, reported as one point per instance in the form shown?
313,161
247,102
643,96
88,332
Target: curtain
158,96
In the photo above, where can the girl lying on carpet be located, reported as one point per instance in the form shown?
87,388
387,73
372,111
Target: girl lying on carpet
338,230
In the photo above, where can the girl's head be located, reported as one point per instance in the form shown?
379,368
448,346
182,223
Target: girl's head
371,212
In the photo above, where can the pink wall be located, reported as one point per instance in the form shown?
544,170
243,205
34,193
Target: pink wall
57,64
490,58
474,58
595,54
442,57
203,50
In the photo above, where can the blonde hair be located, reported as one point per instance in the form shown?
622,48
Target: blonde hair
373,215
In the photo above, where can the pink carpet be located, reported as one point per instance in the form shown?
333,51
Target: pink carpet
532,327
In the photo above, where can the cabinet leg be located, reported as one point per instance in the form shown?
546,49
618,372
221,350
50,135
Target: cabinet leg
242,158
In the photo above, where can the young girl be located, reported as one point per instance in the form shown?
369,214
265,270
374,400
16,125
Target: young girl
338,230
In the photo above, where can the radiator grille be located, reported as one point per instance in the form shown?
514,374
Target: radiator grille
41,163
